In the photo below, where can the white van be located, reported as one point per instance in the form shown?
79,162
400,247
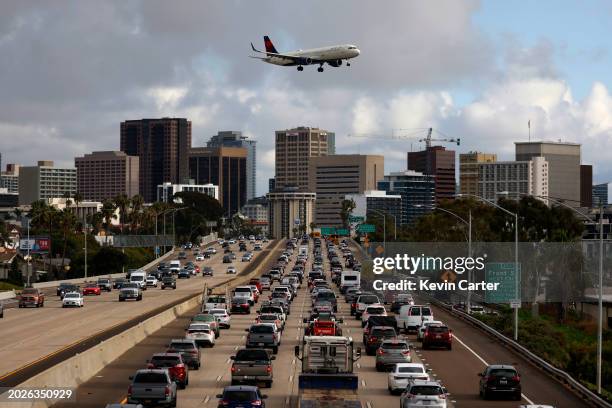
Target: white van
349,279
411,317
175,266
139,277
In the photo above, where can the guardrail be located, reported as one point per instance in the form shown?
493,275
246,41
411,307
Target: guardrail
551,370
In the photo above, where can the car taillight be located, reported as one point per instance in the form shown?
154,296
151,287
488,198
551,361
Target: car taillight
167,391
411,396
269,369
150,366
353,305
372,339
274,337
516,378
406,352
224,402
233,369
380,352
129,390
442,396
256,403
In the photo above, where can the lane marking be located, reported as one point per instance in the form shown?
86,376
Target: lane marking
207,399
287,400
369,404
482,360
291,378
363,383
219,378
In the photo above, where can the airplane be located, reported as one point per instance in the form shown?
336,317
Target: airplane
333,55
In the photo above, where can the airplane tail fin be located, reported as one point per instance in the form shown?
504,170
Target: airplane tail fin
269,46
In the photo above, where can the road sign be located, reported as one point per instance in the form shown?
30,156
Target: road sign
328,231
366,228
356,218
503,273
211,224
35,244
342,231
515,304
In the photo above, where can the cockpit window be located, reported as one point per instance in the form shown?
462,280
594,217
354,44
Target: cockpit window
352,47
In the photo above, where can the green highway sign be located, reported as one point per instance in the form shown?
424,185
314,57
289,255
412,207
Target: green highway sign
342,231
356,218
504,274
328,231
366,228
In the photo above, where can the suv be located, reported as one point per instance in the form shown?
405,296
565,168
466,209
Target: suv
173,362
130,291
420,393
189,351
252,365
437,335
392,352
500,379
245,291
153,387
376,336
168,282
263,335
31,297
361,302
246,396
105,284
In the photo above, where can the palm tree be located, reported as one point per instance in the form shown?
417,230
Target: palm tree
137,211
122,202
108,214
96,220
77,198
347,208
66,221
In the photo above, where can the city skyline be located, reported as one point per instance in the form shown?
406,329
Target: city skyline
500,71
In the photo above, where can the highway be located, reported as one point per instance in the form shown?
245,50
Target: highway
38,336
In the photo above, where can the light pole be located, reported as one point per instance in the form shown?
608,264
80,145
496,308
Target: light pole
29,258
516,265
384,226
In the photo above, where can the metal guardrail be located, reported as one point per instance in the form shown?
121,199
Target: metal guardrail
551,370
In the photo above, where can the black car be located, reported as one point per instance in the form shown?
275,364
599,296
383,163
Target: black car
184,274
500,379
168,282
182,255
207,271
189,350
240,305
119,282
65,288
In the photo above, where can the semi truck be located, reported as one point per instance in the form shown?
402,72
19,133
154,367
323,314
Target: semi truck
327,379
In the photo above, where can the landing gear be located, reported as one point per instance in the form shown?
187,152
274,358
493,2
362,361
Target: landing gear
320,69
348,64
300,68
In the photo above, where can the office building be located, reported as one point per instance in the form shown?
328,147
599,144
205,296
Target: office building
586,185
331,143
271,184
563,167
438,162
294,148
514,179
108,174
373,202
84,210
290,212
333,177
468,170
601,194
9,179
224,167
45,181
256,209
8,199
162,146
417,190
166,191
236,139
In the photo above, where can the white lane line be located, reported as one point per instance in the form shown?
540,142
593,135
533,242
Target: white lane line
293,362
369,404
482,360
229,360
219,378
291,378
207,399
363,383
358,365
287,400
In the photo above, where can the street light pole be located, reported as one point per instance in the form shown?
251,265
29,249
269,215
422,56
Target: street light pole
600,301
384,226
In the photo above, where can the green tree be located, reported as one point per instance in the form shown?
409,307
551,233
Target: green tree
66,223
347,208
108,260
122,203
200,208
108,214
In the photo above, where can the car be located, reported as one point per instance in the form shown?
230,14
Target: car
91,289
240,304
376,336
189,351
231,269
130,291
215,301
391,352
210,319
411,317
168,282
265,282
199,257
201,333
1,310
282,289
247,257
152,386
361,303
372,310
152,281
31,297
223,317
501,379
65,287
419,393
438,335
105,284
119,282
74,299
173,362
207,271
263,335
184,274
421,330
252,365
244,396
403,373
182,255
270,318
210,250
257,247
231,241
477,310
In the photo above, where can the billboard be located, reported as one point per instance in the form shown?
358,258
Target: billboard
37,244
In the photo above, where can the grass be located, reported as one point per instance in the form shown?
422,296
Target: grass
9,286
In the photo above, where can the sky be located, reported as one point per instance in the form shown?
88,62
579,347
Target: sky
71,71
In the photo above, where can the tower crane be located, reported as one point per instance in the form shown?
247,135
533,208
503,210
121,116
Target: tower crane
411,134
429,139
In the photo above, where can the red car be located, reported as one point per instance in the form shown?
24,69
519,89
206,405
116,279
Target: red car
173,362
438,335
255,281
91,289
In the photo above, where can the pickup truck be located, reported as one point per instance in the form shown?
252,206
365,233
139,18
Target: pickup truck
31,297
152,387
252,365
263,335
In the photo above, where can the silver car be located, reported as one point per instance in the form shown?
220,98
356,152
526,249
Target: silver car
391,352
421,393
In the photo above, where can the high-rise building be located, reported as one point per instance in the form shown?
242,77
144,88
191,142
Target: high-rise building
438,162
290,212
162,146
45,181
514,179
468,170
601,194
331,143
236,139
294,148
379,201
166,191
586,185
417,190
9,179
333,177
271,184
563,167
224,167
104,175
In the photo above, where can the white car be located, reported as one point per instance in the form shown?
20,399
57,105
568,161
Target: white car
201,333
231,241
199,257
152,281
223,317
372,310
403,373
72,299
231,269
421,393
211,251
421,331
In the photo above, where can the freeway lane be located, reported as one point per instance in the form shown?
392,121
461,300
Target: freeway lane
31,336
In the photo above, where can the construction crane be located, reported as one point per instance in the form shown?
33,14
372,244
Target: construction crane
398,134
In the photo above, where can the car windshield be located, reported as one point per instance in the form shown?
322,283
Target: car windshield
264,328
215,299
425,390
503,372
197,330
137,278
220,312
437,329
162,361
426,311
238,290
203,318
267,317
395,346
72,295
375,310
383,332
368,299
181,346
252,355
29,292
142,378
326,295
240,396
418,370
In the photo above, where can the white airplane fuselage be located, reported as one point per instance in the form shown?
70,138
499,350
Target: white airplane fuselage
332,55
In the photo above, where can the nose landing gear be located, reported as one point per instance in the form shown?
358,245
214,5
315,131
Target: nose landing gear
320,69
300,68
